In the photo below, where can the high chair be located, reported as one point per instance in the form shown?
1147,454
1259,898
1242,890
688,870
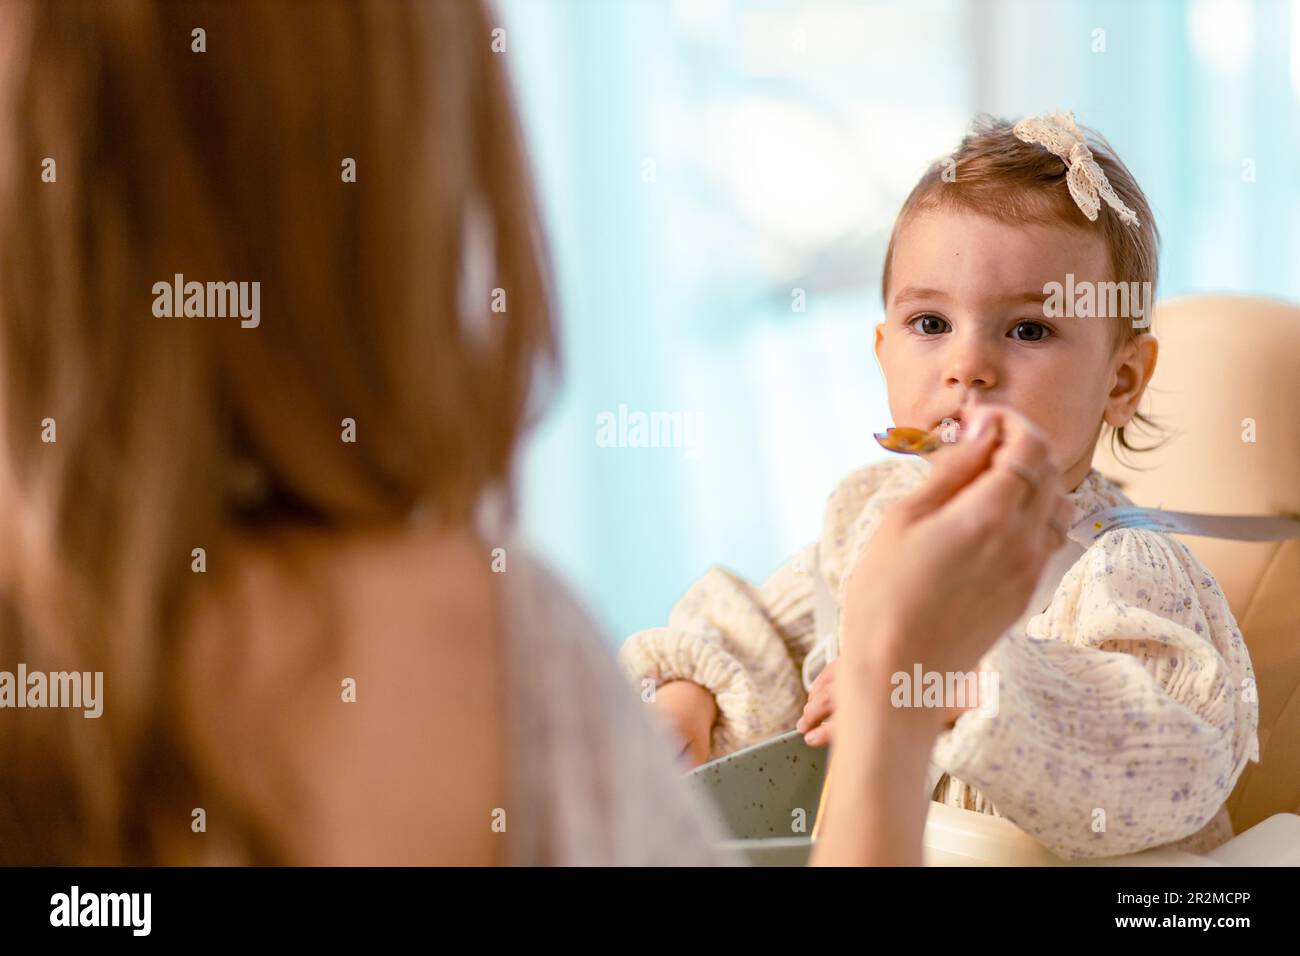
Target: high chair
1227,384
1227,390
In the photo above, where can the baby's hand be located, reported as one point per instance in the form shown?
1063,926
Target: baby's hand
689,711
815,723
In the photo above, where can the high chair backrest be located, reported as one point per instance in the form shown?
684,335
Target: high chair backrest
1227,385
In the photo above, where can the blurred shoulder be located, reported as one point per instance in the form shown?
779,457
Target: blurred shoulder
345,671
594,778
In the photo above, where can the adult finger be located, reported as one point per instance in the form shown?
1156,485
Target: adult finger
1059,521
1041,504
956,465
1021,468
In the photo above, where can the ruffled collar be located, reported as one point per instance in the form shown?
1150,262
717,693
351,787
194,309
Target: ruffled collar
1096,493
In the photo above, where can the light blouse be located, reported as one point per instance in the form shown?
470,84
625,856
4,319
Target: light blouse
592,776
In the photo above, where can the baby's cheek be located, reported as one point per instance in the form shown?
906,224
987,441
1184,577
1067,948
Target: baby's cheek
1071,441
912,412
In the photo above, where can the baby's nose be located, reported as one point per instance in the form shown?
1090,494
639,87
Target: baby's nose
971,365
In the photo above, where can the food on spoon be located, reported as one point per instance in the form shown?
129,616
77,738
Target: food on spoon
909,441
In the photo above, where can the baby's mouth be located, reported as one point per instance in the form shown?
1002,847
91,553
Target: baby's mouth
922,441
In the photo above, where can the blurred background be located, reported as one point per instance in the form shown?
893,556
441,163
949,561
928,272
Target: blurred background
719,179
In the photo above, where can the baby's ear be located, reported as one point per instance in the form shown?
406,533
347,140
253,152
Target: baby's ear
1135,363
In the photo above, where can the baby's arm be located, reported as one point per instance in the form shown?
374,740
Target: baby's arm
741,643
1125,714
746,644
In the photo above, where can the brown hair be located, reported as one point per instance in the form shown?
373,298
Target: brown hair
175,433
996,174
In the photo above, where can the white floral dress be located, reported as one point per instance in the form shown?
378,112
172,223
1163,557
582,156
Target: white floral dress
1126,709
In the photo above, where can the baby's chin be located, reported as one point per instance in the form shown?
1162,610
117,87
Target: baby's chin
1074,466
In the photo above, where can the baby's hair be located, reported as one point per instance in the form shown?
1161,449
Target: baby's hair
996,174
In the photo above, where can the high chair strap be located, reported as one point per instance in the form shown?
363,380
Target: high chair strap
1234,527
826,623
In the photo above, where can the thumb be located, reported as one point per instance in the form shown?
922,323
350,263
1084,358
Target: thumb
958,464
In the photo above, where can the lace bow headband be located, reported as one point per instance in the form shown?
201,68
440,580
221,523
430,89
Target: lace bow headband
1088,183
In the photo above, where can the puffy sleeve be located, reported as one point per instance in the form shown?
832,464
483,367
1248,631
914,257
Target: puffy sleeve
745,643
1124,713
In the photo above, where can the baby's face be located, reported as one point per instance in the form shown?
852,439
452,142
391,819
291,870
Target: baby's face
965,322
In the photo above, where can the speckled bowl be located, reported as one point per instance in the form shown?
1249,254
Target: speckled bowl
758,792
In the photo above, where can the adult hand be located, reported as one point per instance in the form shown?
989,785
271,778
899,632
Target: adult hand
949,568
952,565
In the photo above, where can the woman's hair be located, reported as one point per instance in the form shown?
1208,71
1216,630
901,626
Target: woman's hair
994,173
413,303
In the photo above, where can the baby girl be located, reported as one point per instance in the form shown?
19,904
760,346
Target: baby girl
1125,705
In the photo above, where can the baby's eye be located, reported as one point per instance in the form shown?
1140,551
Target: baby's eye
930,324
1037,332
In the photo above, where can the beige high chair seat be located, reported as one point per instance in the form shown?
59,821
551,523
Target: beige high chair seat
1227,364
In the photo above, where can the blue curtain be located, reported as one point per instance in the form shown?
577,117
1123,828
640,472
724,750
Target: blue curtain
719,180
